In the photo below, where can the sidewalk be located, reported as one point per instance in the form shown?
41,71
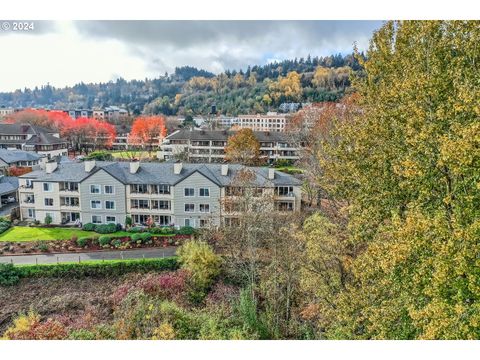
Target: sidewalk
148,253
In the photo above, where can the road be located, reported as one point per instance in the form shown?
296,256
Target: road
99,255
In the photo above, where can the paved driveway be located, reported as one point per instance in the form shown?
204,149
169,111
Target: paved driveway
99,255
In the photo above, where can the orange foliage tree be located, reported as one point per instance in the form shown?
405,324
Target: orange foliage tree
147,131
243,148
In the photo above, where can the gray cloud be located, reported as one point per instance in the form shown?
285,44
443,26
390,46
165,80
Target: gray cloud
220,45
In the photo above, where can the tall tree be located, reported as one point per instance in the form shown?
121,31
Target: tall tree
148,132
243,148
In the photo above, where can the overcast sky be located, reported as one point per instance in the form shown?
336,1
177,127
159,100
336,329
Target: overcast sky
65,53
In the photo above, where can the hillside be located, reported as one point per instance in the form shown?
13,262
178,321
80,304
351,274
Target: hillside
192,91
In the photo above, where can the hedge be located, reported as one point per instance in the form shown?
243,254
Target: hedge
4,225
94,268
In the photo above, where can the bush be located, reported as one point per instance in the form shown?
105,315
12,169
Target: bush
43,247
48,220
128,221
119,227
4,225
104,240
162,230
116,243
9,275
98,268
82,242
145,237
136,237
186,230
81,334
89,227
135,229
106,228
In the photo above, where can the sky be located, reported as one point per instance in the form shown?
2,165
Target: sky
63,53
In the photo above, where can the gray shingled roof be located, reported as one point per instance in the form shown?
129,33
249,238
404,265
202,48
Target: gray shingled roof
22,129
42,138
13,156
160,173
223,135
8,184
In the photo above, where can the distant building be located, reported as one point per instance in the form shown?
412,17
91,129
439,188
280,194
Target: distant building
20,158
209,145
32,138
6,111
114,113
272,122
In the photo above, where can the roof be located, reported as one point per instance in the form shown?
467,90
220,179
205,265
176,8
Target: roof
223,135
22,129
8,184
42,138
160,173
13,156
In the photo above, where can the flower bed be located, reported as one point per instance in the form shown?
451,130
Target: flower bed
93,243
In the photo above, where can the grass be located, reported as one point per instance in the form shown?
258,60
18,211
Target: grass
129,154
24,233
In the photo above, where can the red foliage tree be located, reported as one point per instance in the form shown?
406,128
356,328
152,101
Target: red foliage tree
147,131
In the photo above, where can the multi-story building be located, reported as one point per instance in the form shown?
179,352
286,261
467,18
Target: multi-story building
20,158
209,145
114,113
6,111
168,193
32,138
272,122
78,113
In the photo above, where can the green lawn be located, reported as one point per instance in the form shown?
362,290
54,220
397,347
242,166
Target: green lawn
24,233
129,154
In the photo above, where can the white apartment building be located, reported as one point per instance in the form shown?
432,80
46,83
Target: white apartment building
209,145
272,122
168,193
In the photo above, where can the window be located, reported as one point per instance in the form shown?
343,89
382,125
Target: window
95,204
160,204
189,192
189,222
204,192
31,213
189,207
109,189
94,189
47,187
203,222
48,202
205,208
111,219
110,205
284,191
28,183
96,219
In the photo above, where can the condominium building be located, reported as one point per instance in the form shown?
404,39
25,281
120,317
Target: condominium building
209,145
20,158
32,138
168,193
272,122
6,111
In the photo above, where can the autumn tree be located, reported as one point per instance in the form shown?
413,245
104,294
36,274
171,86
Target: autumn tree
288,88
406,167
243,148
147,132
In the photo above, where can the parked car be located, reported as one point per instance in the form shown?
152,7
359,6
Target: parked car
8,200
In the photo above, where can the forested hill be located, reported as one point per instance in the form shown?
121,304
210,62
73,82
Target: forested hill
192,91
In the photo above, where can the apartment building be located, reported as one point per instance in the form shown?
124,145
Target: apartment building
20,158
272,122
6,111
32,138
169,193
209,145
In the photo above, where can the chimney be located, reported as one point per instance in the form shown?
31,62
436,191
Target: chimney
89,165
177,168
134,166
50,167
224,169
271,174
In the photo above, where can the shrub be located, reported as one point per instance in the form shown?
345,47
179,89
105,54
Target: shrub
4,226
81,334
135,229
43,247
119,227
48,220
29,327
82,242
9,275
198,258
186,230
116,243
104,240
106,228
145,237
128,221
136,237
98,268
89,227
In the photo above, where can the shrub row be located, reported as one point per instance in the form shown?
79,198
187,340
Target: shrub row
10,274
163,230
102,228
4,225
